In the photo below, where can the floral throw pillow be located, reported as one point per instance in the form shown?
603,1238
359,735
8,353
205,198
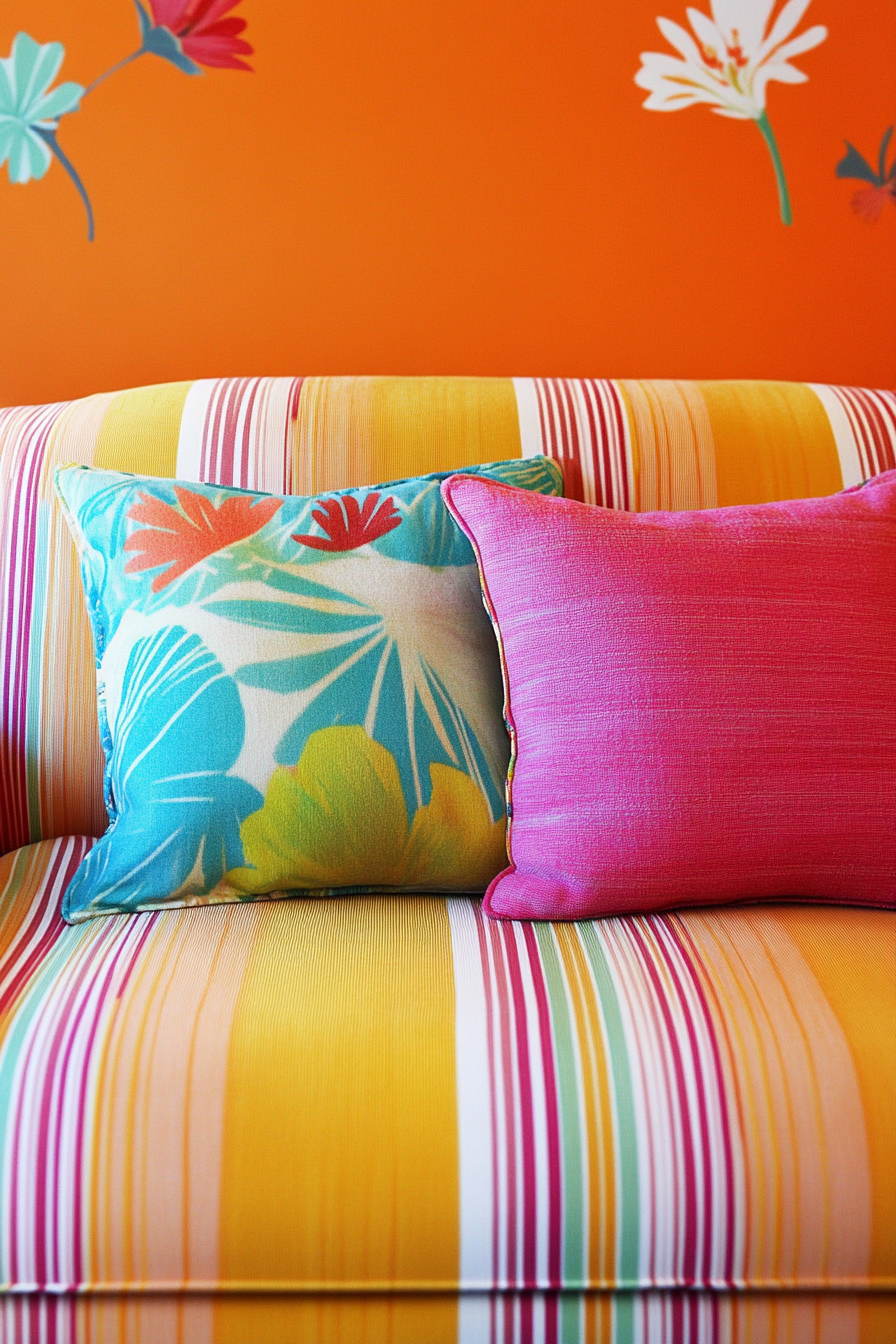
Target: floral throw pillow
295,695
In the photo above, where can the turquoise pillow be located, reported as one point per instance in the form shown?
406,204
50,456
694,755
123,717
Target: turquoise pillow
295,696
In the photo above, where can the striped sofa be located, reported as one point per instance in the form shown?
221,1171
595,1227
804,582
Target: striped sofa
389,1119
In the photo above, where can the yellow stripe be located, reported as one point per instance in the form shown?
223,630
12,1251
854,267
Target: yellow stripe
336,1320
140,430
672,447
341,1148
772,441
360,431
852,954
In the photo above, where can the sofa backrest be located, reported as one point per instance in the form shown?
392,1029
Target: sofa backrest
622,443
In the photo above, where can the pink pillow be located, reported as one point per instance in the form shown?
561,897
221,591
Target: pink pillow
702,705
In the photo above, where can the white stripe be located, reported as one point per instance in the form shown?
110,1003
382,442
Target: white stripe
192,428
473,1316
851,468
473,1098
530,421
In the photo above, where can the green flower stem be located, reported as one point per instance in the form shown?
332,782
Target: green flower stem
113,69
783,196
49,139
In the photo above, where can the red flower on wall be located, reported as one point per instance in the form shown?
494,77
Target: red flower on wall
207,33
868,201
348,525
180,538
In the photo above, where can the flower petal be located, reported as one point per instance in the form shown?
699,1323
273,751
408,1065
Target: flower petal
169,13
36,67
708,34
218,51
681,82
680,39
9,131
788,19
748,18
29,156
7,88
806,41
64,98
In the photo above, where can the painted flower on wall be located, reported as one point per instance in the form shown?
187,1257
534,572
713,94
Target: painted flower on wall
727,62
189,34
30,111
880,186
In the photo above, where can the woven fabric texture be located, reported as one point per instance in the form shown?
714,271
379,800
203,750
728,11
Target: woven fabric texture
625,444
371,1093
702,704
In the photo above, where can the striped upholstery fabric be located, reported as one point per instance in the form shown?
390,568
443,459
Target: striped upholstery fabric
572,1318
625,444
393,1096
382,1093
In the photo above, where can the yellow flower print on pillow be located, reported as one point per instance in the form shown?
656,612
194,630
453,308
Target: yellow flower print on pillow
338,818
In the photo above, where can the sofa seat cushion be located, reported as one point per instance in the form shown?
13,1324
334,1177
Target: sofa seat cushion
651,1317
394,1093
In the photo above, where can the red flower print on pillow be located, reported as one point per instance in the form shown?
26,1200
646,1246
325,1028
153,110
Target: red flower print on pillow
349,525
180,538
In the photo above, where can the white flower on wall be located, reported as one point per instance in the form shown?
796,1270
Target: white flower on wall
728,62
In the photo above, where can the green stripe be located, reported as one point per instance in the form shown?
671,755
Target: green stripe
624,1129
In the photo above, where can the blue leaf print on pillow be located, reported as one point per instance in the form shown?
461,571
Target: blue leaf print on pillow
176,813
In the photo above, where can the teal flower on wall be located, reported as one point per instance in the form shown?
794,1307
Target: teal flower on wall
189,34
30,112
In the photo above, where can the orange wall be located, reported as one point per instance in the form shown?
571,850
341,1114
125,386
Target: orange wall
444,186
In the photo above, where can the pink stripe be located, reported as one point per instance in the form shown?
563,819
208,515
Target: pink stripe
552,1319
548,444
882,435
289,435
21,975
600,447
68,1014
626,980
510,1146
527,1128
679,931
227,459
33,438
552,1117
574,447
703,1270
207,430
611,449
493,1086
58,862
626,502
689,1192
247,432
